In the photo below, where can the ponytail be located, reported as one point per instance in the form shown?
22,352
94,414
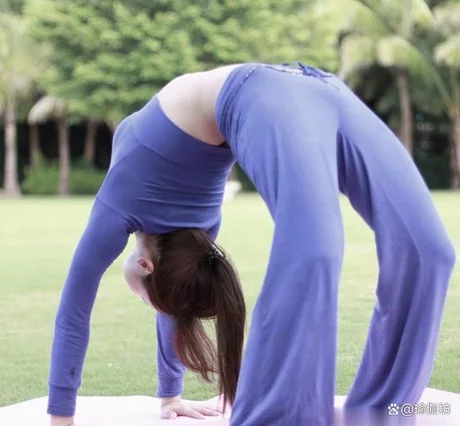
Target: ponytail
231,317
194,281
194,348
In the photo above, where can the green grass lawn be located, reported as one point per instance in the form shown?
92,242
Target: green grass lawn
37,239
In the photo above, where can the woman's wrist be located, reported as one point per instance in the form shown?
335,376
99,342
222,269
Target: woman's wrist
169,399
62,421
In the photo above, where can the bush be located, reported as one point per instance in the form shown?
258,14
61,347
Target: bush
44,180
86,181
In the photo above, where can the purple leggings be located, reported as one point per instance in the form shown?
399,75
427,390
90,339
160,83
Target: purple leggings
303,138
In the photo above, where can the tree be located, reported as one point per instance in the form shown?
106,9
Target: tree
108,58
34,142
260,31
89,153
51,108
447,55
21,61
434,58
383,33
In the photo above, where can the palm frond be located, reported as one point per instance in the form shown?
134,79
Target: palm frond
357,16
448,52
395,51
21,60
357,52
422,14
447,17
47,108
384,17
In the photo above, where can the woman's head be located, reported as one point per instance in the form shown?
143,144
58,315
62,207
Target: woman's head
185,275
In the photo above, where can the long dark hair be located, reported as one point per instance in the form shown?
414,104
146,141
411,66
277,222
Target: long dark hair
193,279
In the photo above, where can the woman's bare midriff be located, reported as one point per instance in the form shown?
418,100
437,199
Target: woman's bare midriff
189,102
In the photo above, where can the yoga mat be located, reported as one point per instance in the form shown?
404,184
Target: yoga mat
145,411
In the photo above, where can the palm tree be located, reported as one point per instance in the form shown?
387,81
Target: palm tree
90,141
20,63
51,108
34,142
447,55
381,32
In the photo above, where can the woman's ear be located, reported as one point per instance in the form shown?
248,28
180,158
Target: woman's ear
145,266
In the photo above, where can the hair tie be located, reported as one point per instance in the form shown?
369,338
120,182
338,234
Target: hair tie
212,256
184,319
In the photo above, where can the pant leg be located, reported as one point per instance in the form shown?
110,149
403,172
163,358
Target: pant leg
415,258
289,364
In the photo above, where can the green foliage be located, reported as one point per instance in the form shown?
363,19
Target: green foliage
86,181
44,180
260,30
383,33
41,181
12,6
21,60
408,35
110,57
448,25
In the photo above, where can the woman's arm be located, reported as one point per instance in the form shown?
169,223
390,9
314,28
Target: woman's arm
103,240
171,371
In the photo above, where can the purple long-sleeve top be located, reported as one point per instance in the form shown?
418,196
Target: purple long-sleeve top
160,179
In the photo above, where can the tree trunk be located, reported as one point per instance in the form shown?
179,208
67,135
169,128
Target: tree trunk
406,131
11,182
64,157
90,141
34,146
455,151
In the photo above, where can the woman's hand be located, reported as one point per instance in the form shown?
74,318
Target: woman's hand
174,407
62,421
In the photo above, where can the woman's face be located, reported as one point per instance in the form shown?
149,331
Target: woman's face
138,265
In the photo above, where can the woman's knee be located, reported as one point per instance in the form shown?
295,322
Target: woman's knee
438,250
437,257
446,255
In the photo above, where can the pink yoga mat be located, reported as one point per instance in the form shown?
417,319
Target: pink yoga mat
145,411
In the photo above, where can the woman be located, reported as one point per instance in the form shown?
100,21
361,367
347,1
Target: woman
302,137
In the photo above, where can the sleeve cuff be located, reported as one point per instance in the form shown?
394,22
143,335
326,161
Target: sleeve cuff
61,401
168,388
